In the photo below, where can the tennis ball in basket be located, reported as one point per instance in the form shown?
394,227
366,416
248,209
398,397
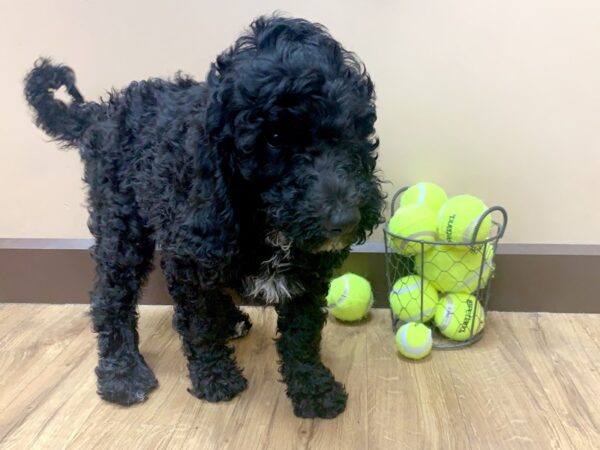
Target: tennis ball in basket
412,222
424,194
458,218
350,297
455,316
405,299
414,340
456,269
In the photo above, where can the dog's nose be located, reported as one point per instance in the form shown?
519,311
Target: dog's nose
342,221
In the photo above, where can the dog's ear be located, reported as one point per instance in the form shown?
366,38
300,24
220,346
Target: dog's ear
234,127
242,95
231,132
218,121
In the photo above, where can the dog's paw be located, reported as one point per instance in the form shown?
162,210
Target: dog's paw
316,394
125,384
216,382
325,405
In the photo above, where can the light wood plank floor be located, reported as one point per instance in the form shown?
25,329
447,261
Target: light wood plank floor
533,381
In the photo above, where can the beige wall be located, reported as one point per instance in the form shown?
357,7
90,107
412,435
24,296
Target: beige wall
495,98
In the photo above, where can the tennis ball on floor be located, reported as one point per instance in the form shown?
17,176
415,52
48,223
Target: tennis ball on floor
350,297
452,269
424,194
414,340
405,299
455,316
412,222
458,217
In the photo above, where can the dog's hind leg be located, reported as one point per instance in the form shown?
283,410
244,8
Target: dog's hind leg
204,327
123,254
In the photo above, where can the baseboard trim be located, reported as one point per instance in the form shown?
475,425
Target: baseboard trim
511,249
45,244
369,247
530,277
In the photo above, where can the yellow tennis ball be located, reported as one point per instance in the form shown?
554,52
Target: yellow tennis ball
456,317
406,296
424,194
458,218
350,297
452,269
412,222
414,340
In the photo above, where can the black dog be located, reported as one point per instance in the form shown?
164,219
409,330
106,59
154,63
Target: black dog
256,180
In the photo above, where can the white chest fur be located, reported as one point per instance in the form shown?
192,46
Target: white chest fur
272,284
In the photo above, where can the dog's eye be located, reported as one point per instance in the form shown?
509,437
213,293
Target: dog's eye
274,139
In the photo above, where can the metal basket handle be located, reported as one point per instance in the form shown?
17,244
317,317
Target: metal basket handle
501,225
395,198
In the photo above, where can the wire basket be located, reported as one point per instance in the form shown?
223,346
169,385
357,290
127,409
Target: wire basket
450,267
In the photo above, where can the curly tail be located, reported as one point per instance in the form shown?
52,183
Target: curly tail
61,121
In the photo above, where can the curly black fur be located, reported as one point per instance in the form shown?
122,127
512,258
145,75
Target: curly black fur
256,180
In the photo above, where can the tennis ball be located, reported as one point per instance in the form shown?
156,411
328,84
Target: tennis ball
452,269
405,299
350,297
458,218
412,222
414,340
424,194
455,316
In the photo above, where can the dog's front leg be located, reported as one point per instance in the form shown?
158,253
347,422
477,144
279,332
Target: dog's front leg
310,385
204,326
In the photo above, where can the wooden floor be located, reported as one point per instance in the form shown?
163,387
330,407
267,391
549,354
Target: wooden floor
533,381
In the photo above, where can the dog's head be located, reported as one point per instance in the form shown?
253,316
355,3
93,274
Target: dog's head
294,114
